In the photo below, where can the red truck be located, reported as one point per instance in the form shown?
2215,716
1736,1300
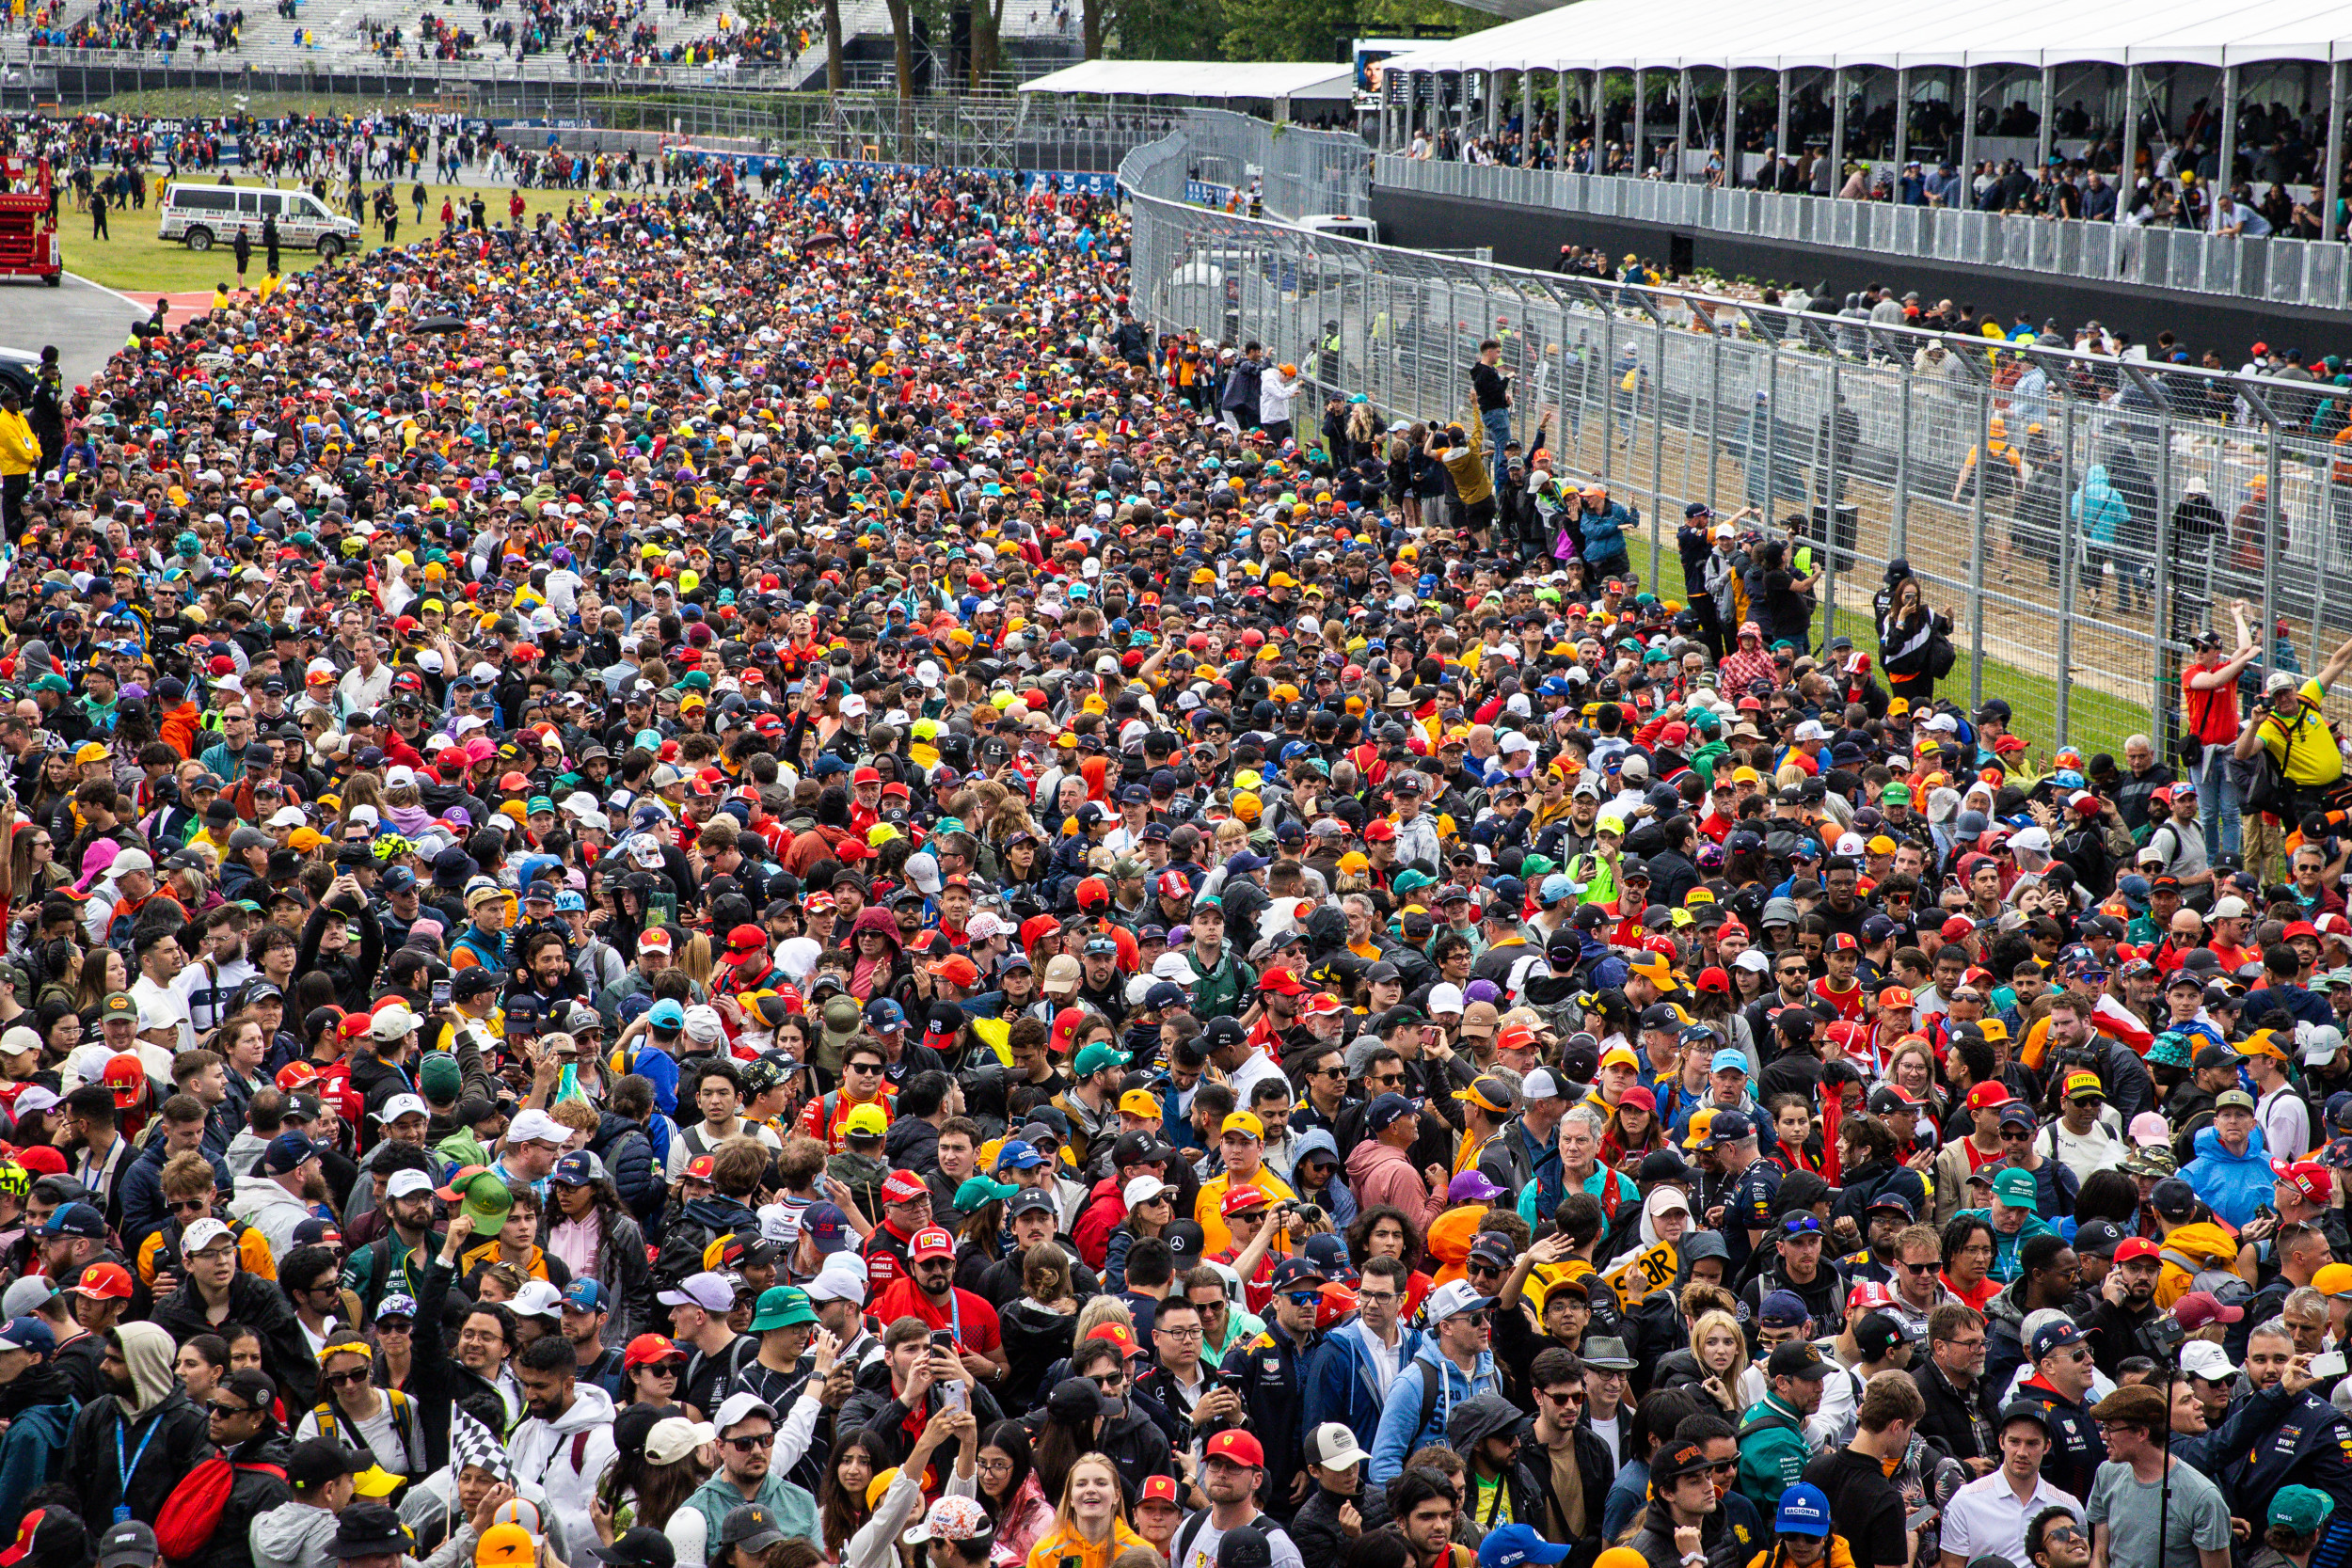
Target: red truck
28,222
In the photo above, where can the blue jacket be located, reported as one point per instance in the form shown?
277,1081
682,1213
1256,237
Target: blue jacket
2098,508
2232,1185
1342,1384
1605,531
32,1452
143,1194
1402,1430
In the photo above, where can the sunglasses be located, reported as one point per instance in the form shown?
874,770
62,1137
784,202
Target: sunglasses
664,1369
189,1205
227,1411
753,1444
355,1378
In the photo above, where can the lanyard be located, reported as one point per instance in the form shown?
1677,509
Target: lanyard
128,1466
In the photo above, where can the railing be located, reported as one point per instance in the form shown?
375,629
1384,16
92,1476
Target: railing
344,61
1299,170
1860,436
2280,271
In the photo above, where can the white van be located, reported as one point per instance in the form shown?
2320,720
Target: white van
201,216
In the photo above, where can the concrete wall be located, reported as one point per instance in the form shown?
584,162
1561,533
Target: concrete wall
1531,237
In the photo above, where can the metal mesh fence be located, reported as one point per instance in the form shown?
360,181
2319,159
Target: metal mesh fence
2050,500
2284,271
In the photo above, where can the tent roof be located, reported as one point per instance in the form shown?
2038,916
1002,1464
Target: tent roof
1670,34
1203,79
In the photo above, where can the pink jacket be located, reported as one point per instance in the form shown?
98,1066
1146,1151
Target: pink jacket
1383,1175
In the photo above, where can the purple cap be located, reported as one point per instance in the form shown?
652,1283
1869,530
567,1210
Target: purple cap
1472,1186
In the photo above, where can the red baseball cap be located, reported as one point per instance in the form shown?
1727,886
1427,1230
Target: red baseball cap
2136,1247
104,1282
1120,1335
903,1186
1236,1447
1989,1094
702,1167
930,1242
2315,1181
957,970
646,1349
1239,1198
1159,1489
1281,982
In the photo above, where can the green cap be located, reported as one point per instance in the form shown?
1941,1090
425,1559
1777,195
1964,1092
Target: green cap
1896,792
2301,1509
782,1307
2018,1189
977,1190
440,1078
1095,1057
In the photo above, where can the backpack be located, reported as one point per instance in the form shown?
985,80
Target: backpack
184,1525
2223,1285
403,1421
1189,1531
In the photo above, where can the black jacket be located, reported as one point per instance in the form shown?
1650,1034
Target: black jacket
181,1429
1655,1540
1592,1464
1315,1527
882,1416
252,1493
1954,1422
262,1307
1273,1376
437,1380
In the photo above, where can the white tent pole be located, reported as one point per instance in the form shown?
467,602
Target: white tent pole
1780,117
1903,119
2331,155
1969,136
2049,126
1837,132
2126,180
2226,174
1640,122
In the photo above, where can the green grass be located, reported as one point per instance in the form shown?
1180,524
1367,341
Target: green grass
2096,721
133,260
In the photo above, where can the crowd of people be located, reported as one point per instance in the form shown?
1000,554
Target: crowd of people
151,25
2176,179
743,881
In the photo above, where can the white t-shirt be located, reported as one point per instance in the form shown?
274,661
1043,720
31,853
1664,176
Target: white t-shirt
1201,1551
161,1005
2286,1123
381,1434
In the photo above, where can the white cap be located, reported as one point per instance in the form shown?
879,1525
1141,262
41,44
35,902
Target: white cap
403,1105
1333,1446
203,1233
130,860
395,1023
673,1437
536,1299
1540,1085
1445,998
2232,907
739,1408
536,1126
396,777
1143,1189
1753,959
841,1278
704,1023
288,816
2205,1359
407,1183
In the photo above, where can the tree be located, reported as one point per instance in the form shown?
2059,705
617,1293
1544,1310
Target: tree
791,16
1171,29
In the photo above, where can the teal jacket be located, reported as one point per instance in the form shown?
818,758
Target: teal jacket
32,1450
2006,1267
1772,1452
795,1511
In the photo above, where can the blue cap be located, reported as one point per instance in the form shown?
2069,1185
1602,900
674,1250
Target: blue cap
666,1014
1729,1127
568,902
1385,1110
27,1332
828,1227
1783,1309
287,1153
1555,889
1018,1154
1729,1060
586,1295
2056,1335
575,1169
1515,1545
1803,1511
883,1014
396,1304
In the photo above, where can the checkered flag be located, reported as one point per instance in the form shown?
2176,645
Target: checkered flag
471,1443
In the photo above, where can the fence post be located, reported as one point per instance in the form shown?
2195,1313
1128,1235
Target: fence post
1899,525
2162,710
1714,412
1657,437
2070,558
1609,390
1830,429
1976,546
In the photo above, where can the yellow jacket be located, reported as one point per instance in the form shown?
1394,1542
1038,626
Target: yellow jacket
20,450
1067,1546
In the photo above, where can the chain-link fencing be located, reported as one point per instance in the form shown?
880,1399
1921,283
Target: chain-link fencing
2080,518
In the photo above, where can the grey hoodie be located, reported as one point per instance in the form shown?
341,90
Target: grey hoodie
293,1535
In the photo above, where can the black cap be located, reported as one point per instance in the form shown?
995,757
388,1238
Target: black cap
368,1530
642,1546
1798,1358
1245,1547
316,1461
